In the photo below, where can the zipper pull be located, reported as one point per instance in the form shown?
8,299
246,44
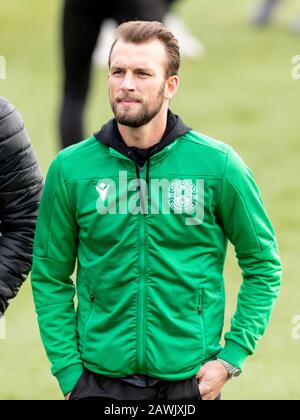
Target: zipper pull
200,308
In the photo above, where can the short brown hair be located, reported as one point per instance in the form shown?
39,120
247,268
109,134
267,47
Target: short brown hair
139,32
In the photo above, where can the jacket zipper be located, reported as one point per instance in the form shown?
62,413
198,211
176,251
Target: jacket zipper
200,313
200,302
141,346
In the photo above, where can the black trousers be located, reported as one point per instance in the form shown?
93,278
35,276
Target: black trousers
81,24
92,386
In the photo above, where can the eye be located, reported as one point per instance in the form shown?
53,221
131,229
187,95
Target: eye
143,74
117,72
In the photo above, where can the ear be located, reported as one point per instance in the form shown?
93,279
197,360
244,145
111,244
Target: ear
171,87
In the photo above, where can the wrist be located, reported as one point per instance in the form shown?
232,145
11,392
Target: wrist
232,371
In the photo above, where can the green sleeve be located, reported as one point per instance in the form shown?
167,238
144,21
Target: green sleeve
54,260
246,224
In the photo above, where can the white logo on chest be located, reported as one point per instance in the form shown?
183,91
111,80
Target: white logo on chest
102,190
183,196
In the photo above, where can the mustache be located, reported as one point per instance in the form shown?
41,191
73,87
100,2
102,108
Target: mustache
121,98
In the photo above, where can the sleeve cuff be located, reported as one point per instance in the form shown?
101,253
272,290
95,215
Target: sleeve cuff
68,377
234,354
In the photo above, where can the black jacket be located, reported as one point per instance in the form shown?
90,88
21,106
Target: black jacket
20,189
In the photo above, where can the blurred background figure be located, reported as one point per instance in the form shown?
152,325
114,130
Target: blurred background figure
190,46
264,13
83,21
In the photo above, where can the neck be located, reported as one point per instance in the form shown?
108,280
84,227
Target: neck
147,135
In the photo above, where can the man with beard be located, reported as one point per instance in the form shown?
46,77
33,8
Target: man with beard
81,22
146,207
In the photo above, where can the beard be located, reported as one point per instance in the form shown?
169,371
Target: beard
143,116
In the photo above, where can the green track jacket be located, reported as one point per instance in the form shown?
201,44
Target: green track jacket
149,281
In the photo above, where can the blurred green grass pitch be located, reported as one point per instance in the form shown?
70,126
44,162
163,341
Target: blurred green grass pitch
242,93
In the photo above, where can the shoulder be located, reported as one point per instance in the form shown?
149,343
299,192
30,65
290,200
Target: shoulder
13,136
203,142
79,152
11,123
207,153
5,108
77,160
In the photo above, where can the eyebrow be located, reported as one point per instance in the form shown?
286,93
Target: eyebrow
142,69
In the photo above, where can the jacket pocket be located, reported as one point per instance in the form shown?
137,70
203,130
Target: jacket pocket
196,384
200,309
86,328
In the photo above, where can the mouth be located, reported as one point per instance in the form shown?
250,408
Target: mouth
128,101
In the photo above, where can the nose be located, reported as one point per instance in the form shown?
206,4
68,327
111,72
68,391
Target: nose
128,83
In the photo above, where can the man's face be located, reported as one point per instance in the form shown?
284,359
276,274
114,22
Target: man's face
137,82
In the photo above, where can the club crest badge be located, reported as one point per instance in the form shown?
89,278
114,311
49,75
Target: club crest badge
183,196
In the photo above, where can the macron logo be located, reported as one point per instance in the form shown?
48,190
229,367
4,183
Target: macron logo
102,190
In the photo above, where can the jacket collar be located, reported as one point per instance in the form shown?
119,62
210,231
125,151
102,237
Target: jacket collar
109,135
